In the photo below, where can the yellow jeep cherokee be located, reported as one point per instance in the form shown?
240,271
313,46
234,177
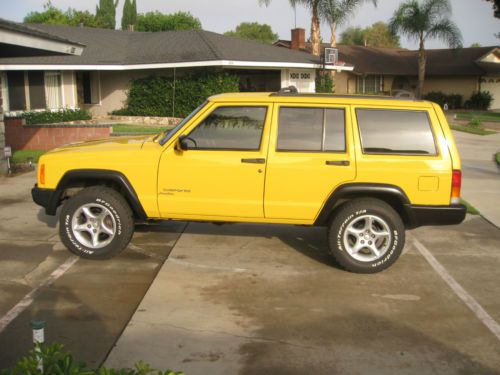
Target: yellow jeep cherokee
365,167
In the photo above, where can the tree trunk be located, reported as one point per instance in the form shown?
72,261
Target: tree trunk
315,38
421,69
333,39
333,44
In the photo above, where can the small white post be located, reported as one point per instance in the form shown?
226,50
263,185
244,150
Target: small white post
38,328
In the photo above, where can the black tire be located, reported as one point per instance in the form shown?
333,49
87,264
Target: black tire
354,216
118,217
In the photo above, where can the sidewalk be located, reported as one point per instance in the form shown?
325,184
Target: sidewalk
480,173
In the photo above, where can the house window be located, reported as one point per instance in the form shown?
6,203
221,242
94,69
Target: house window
90,84
16,89
370,84
53,90
32,90
36,89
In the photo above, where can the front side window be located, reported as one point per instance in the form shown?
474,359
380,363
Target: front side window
395,132
230,128
311,129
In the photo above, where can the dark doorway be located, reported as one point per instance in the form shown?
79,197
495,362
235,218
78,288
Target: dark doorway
17,98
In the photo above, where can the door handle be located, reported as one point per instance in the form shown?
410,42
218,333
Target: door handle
344,163
254,161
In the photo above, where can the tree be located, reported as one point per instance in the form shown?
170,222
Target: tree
54,16
353,36
129,16
337,12
376,35
254,31
379,35
156,21
105,14
315,21
423,21
475,45
496,7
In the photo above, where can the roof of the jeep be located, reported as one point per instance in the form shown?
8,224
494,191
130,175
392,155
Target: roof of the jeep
267,97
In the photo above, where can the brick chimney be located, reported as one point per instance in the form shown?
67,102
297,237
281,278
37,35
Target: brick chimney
298,39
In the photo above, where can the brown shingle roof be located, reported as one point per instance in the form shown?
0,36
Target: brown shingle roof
399,61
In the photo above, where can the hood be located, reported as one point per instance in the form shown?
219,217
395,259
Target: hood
107,144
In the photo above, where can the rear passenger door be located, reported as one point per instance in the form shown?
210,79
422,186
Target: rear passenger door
310,155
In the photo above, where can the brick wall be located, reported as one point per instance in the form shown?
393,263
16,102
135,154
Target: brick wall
3,161
47,137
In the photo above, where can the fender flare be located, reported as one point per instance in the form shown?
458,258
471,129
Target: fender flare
352,190
116,177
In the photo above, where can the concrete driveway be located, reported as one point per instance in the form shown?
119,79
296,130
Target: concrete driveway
86,304
481,175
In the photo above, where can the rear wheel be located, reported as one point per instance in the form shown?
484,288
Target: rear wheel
366,236
96,223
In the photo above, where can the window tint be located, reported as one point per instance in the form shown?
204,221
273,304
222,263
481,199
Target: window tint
395,132
311,129
233,128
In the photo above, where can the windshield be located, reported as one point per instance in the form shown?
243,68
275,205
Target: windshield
174,130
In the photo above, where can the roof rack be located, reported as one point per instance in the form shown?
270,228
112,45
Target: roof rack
292,91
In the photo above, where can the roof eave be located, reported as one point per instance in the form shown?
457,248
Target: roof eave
192,64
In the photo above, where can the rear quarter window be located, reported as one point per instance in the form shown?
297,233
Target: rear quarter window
400,132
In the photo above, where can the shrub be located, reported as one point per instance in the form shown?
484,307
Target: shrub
324,82
481,100
476,123
454,101
50,117
56,361
154,95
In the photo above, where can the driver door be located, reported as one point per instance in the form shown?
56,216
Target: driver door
222,172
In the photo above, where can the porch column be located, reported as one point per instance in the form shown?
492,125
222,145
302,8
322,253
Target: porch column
3,162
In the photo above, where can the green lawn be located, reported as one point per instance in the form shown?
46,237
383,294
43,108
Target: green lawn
470,208
21,156
469,129
136,129
481,116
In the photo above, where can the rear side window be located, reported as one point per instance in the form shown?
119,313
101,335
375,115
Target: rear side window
311,129
395,132
230,128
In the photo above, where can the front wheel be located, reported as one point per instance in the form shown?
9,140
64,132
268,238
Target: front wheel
366,236
96,223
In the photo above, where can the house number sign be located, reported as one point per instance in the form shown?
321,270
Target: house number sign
300,75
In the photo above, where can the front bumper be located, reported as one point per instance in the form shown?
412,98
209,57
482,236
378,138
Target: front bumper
435,215
47,198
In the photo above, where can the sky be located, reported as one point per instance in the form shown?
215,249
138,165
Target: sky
473,17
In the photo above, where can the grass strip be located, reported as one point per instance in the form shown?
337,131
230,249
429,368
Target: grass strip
470,208
468,129
22,156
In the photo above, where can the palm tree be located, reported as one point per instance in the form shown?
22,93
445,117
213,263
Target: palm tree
423,21
315,20
337,12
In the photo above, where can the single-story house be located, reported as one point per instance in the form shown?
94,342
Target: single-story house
99,76
20,41
384,70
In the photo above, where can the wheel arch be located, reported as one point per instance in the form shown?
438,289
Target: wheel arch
110,178
390,194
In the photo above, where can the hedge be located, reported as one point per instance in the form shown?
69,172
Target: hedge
50,117
154,95
454,101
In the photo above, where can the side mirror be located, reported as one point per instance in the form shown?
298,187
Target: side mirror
182,143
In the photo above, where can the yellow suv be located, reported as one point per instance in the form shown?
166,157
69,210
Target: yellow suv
365,167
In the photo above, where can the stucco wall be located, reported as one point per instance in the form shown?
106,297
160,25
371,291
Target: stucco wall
464,86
